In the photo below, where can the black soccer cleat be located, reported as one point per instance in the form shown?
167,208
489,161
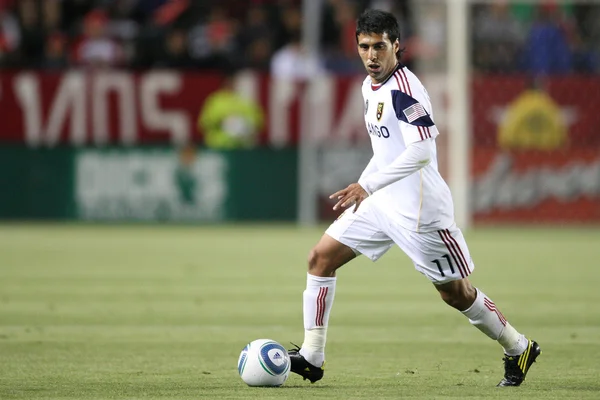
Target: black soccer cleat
300,366
516,367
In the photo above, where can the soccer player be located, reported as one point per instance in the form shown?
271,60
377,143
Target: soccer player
399,198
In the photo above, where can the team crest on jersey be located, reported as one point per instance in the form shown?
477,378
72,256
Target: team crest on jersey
366,107
379,111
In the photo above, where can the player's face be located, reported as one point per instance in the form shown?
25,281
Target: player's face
378,55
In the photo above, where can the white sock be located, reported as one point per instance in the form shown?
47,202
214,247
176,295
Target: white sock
484,315
513,342
318,298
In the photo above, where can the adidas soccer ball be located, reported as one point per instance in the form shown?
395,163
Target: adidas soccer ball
264,362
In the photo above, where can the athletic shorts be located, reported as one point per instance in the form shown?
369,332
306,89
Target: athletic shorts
441,255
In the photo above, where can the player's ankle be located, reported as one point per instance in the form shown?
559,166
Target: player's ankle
313,357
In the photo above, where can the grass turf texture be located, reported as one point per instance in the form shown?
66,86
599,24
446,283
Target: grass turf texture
101,312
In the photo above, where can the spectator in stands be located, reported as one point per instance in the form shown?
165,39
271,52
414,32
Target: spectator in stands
229,120
212,42
294,62
10,34
175,52
254,40
55,52
546,48
32,34
290,20
255,26
340,24
498,38
96,48
51,15
72,15
258,55
124,27
589,16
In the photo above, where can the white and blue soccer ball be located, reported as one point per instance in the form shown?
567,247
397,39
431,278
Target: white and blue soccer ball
264,362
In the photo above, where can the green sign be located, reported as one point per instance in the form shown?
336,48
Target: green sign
148,184
153,184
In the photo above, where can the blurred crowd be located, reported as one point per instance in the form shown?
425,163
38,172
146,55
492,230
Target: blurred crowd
265,35
547,37
198,34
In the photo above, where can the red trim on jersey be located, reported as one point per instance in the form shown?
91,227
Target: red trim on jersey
378,85
397,81
401,86
424,132
405,79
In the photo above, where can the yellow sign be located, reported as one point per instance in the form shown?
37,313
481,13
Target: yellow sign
533,122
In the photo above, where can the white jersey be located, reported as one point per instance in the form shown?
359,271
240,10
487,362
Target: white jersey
397,113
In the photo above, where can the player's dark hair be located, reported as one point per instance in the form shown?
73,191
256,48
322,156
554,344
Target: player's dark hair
379,22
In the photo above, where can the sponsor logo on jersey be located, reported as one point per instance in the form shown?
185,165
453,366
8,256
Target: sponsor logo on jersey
379,111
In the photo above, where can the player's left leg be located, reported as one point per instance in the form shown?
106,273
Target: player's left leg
520,352
443,256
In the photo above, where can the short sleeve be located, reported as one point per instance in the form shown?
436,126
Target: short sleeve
414,120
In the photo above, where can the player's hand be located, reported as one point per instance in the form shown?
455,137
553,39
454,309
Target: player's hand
354,194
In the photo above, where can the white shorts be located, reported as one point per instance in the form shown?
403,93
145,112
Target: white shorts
442,255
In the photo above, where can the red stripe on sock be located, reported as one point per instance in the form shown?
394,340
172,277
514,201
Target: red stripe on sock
492,307
321,306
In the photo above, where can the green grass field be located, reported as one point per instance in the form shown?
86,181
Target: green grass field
157,312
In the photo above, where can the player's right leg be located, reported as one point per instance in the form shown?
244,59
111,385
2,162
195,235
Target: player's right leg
350,235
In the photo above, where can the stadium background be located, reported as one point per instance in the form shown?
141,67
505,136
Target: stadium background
100,104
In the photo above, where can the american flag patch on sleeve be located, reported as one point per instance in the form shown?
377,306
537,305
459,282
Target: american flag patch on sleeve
414,112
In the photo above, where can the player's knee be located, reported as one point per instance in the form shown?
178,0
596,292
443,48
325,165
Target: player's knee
458,294
319,264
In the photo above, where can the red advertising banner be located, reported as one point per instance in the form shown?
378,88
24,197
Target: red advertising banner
118,107
536,149
101,108
562,186
576,99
